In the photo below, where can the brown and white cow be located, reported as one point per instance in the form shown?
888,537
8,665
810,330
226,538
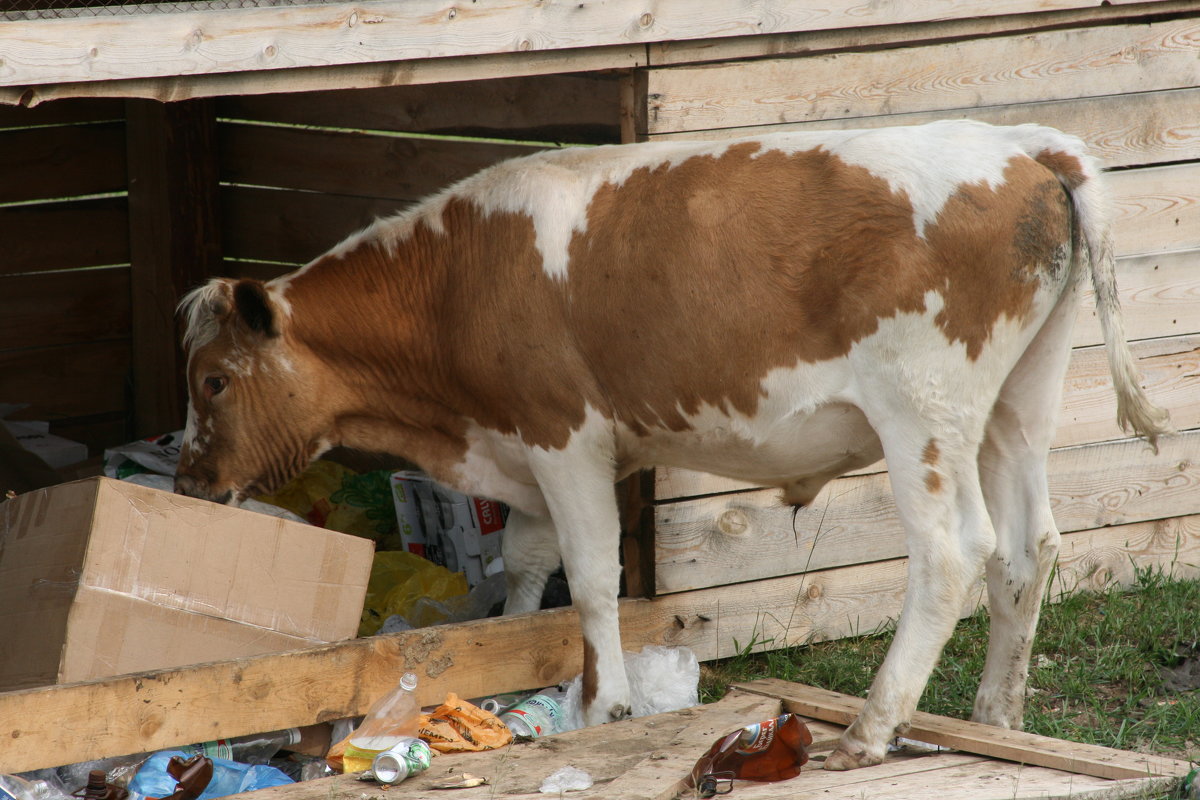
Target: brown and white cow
778,309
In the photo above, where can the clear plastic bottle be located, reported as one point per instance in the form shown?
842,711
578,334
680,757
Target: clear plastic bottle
257,748
16,788
773,750
389,720
538,715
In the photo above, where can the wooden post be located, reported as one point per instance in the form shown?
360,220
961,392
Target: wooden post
174,235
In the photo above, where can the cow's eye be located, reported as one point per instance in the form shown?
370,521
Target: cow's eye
214,385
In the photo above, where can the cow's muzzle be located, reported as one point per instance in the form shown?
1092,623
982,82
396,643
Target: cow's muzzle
194,487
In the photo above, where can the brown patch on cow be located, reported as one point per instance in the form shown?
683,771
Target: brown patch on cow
690,283
687,307
933,482
1066,166
931,453
591,679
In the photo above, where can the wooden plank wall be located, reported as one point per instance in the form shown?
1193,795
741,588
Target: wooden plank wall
299,172
1126,82
65,311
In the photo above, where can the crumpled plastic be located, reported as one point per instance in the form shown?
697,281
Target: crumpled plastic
457,726
407,585
566,779
661,679
332,496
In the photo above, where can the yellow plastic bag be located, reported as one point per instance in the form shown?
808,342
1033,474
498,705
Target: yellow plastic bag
457,726
398,580
332,496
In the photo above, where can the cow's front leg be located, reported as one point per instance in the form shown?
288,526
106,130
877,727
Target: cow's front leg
578,484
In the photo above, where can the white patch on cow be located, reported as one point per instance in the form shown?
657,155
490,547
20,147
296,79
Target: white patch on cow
496,465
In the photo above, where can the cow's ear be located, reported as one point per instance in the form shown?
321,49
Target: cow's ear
254,306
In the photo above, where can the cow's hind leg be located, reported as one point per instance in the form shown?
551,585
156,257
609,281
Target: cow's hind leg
530,550
935,482
1012,465
579,486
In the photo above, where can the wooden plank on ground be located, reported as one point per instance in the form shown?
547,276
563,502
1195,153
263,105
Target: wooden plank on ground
750,535
64,307
62,161
348,163
1126,130
246,39
99,235
1044,65
291,226
546,108
77,722
974,737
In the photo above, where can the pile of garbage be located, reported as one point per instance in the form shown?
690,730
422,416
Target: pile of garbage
393,741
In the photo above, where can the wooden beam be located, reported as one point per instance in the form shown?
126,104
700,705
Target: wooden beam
51,51
974,737
174,244
1041,66
83,721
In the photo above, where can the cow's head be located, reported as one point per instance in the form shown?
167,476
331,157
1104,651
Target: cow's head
255,413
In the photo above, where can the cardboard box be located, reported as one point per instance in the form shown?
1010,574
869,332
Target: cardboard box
460,532
56,451
101,577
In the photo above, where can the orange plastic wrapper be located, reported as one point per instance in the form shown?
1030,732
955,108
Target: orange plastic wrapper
457,726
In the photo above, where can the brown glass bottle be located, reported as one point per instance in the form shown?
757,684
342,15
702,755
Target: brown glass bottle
773,750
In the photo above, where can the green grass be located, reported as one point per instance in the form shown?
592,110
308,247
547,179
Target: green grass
1094,676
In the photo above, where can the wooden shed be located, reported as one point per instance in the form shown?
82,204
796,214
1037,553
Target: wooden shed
144,148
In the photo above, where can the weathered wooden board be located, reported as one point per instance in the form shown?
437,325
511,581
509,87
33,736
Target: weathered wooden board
99,235
1156,209
975,737
152,710
63,308
292,226
1134,129
750,535
61,161
64,112
545,108
139,46
1160,296
942,29
70,381
351,163
1044,65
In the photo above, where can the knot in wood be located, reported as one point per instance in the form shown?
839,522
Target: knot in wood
733,522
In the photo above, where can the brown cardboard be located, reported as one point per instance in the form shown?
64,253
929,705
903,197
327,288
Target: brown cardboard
100,577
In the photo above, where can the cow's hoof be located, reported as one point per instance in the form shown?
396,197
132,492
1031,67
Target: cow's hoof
841,760
619,711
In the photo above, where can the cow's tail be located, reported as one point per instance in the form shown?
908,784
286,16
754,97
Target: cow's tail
1080,174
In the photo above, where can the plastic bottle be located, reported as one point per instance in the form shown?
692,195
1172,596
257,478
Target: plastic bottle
15,788
257,748
538,715
389,720
407,757
773,750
